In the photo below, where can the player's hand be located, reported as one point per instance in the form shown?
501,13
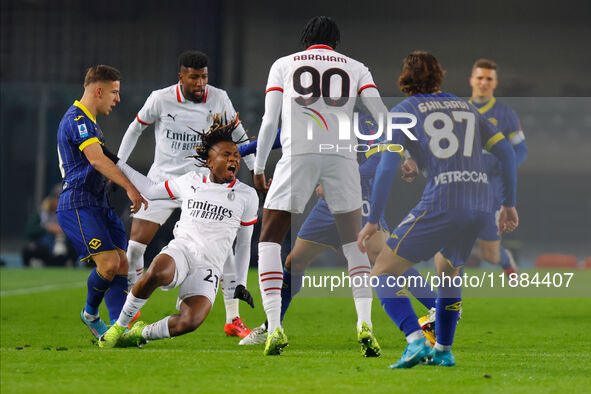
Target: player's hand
410,170
242,294
136,200
508,219
320,191
366,233
260,183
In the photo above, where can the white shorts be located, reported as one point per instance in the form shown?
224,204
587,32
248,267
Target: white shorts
296,177
158,211
192,278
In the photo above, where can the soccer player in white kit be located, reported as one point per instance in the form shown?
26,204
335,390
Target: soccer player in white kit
216,210
176,111
315,83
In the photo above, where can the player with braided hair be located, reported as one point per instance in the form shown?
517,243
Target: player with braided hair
175,111
216,210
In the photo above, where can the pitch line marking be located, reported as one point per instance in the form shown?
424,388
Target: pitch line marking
41,289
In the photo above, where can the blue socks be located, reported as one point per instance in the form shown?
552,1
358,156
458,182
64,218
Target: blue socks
397,305
504,259
423,291
97,286
115,297
291,286
448,311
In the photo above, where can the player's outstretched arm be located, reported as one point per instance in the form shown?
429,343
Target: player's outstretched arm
273,102
149,188
251,147
95,156
130,138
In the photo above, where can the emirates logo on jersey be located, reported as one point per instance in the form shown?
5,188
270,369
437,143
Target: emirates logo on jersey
207,210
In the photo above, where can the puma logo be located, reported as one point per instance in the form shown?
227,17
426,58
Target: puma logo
194,189
173,117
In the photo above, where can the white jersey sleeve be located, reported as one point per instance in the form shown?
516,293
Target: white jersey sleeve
148,188
249,216
177,187
270,123
275,80
365,80
136,128
150,112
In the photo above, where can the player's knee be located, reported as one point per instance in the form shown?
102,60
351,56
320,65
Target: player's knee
189,322
108,268
155,278
492,255
298,264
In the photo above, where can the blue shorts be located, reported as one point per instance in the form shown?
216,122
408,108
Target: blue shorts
423,233
320,228
93,230
490,231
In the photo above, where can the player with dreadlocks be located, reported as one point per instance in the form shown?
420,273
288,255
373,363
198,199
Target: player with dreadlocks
215,210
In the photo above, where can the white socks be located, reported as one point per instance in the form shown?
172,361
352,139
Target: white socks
359,270
270,282
135,258
152,331
232,310
90,317
158,330
130,308
415,335
228,283
441,348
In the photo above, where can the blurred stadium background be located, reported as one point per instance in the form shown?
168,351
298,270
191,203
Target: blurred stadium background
46,47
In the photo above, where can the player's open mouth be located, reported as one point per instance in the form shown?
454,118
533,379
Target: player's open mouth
232,170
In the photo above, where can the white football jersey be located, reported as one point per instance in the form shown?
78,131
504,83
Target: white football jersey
211,214
173,117
316,83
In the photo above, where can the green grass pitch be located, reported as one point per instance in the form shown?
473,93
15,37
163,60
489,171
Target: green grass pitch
502,345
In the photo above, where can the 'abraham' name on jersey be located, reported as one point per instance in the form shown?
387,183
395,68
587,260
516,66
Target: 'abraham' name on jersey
325,58
304,78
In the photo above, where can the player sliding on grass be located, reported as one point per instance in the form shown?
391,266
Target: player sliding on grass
215,210
453,209
175,111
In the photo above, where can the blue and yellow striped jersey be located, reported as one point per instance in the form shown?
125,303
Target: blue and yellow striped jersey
502,116
82,185
451,135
